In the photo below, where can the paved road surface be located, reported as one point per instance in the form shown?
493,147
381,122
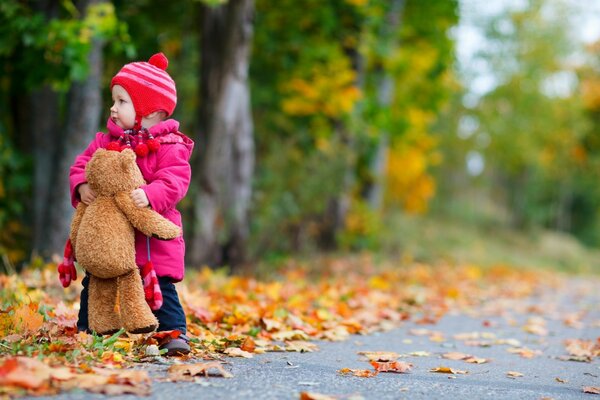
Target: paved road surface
286,375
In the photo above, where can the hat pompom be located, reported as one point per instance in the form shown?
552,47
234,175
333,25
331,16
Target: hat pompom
153,145
114,146
159,60
141,150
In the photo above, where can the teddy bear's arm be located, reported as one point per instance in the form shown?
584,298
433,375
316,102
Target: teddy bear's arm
77,216
146,220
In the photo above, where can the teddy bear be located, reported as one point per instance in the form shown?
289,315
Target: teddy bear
102,239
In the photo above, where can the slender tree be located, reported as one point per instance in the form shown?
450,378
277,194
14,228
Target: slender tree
225,163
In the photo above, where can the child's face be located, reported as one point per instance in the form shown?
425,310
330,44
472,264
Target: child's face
122,112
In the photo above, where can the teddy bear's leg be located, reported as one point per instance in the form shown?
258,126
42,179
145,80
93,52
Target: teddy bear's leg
135,312
101,306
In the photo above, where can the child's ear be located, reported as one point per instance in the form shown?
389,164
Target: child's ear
127,159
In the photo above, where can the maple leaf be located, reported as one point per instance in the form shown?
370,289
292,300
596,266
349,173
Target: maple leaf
26,318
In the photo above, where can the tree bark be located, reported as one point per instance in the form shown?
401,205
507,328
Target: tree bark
225,163
64,142
385,96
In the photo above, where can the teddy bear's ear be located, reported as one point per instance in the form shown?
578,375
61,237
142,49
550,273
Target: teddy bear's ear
127,159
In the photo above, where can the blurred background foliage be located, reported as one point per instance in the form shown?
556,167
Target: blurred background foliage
370,133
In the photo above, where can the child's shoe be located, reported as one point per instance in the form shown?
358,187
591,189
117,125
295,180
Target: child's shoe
176,346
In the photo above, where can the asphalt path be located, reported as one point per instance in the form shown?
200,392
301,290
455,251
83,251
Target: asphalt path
540,324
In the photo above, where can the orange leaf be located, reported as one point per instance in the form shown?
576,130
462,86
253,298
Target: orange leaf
447,370
180,372
361,373
249,345
591,389
315,396
391,366
24,372
26,318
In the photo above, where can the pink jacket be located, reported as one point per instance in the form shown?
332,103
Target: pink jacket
167,173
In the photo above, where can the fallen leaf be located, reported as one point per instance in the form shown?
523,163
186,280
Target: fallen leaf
514,374
315,396
183,372
591,389
447,370
27,318
24,372
559,380
392,366
237,352
361,373
301,346
249,345
455,356
420,354
380,355
524,352
295,334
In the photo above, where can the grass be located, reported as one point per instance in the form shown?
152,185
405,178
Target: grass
483,242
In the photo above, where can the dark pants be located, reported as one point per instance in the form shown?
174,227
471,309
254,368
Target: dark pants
170,316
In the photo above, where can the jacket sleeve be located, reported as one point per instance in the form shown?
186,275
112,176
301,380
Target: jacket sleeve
172,178
77,171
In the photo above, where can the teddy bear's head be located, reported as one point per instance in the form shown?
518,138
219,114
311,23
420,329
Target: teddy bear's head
110,172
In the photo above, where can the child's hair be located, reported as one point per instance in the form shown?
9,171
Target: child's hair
149,86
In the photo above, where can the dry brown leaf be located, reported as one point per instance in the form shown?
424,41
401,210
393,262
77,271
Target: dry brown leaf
301,346
447,370
237,352
392,366
27,318
559,380
24,372
514,374
361,373
183,372
249,345
380,355
476,360
315,396
295,334
456,356
582,348
524,352
591,389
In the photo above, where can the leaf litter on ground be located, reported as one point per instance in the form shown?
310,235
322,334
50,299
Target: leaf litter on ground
41,351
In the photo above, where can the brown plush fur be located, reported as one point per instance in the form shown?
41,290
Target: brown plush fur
102,235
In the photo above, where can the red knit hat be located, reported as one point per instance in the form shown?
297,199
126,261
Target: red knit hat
149,85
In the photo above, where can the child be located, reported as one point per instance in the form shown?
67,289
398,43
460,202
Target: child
144,95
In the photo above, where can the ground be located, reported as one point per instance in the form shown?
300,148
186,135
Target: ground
442,330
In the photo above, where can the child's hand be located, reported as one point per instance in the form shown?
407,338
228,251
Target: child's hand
139,198
86,194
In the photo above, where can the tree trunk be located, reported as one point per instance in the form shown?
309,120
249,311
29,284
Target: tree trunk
225,161
385,96
44,128
83,108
